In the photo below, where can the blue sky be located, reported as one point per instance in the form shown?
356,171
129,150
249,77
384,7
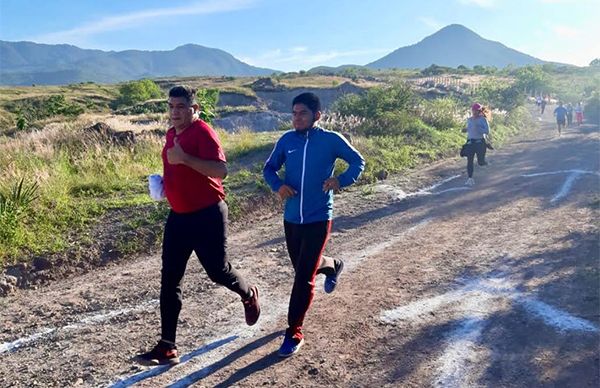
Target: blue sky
295,35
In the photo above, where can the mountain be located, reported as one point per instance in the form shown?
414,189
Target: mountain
452,46
26,63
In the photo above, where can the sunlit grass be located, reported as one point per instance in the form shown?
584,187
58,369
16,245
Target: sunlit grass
82,175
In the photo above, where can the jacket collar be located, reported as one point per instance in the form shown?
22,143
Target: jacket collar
308,132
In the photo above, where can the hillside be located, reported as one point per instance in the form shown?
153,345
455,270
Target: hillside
26,63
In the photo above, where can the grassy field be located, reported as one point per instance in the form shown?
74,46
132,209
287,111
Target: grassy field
64,186
32,102
81,175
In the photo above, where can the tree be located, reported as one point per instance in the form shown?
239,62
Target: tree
595,63
499,95
532,78
478,69
138,91
462,68
435,70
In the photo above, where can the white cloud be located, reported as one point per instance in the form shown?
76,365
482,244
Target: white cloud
299,49
430,22
479,3
121,22
301,58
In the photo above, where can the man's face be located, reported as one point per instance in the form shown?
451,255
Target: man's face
180,112
303,118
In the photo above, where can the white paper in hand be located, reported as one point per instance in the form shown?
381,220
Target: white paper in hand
155,185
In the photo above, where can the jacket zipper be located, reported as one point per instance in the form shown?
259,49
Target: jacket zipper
302,181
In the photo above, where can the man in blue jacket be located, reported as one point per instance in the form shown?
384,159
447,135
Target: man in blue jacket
309,154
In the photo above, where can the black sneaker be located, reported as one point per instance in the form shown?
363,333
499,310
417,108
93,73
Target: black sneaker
252,307
162,354
331,281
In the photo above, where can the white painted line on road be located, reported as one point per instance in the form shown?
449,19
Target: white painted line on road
413,311
10,346
204,364
400,195
561,172
86,321
479,290
460,355
556,318
566,187
474,291
443,181
451,189
477,300
357,257
158,370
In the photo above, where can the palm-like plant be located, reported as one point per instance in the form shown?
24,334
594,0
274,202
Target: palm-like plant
13,207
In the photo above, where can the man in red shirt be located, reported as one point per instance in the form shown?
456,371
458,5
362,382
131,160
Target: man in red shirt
194,166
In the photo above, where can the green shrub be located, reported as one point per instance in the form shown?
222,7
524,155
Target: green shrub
134,92
58,105
592,110
39,108
392,123
146,107
441,113
376,101
207,99
21,122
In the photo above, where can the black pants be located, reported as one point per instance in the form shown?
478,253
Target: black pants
475,148
305,245
203,232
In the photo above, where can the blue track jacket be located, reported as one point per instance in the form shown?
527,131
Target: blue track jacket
309,158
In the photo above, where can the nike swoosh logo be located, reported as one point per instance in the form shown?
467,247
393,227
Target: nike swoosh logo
290,151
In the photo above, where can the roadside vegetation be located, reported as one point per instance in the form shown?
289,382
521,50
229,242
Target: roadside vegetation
62,180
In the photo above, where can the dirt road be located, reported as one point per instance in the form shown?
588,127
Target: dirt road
445,285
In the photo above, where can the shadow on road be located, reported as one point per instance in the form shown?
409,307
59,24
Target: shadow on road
523,348
261,364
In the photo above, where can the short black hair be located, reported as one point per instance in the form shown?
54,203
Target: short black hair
311,101
184,91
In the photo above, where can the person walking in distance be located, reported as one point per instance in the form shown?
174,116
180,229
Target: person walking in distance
194,166
309,154
477,129
579,113
561,117
543,105
569,114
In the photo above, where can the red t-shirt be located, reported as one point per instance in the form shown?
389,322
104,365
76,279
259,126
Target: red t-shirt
186,189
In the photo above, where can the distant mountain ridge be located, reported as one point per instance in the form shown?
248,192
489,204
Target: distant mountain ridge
26,63
452,46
